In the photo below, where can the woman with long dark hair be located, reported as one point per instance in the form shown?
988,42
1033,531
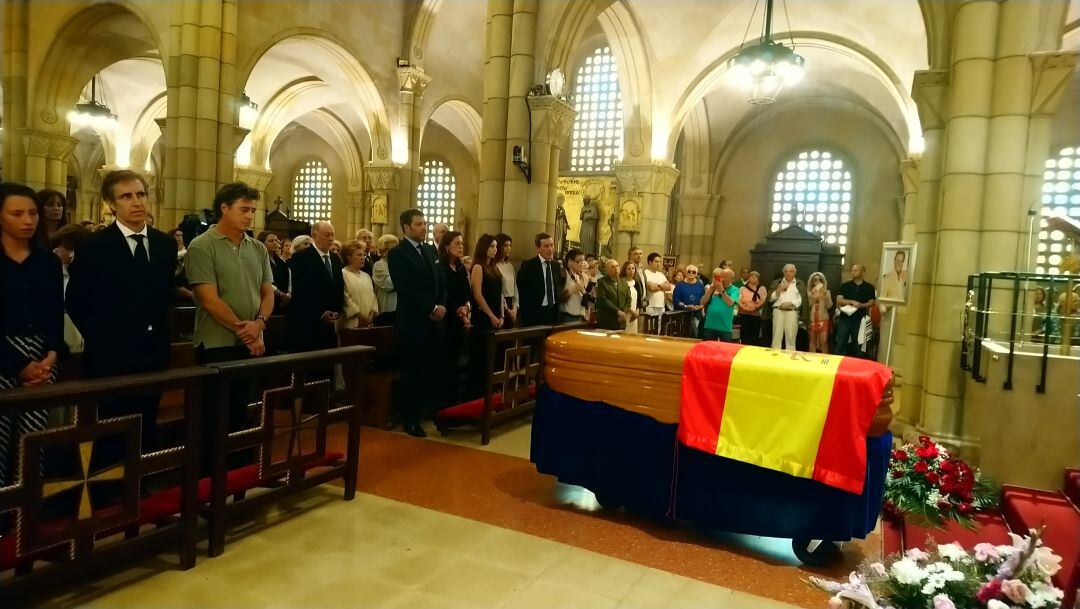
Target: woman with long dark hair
279,269
489,307
505,245
53,206
31,313
458,298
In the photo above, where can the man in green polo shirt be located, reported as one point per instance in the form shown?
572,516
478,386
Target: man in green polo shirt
230,275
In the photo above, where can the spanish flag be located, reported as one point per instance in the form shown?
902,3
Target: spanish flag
805,414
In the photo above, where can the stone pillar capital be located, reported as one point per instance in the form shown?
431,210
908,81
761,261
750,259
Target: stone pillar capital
656,178
47,145
551,119
1051,73
928,90
256,178
911,174
383,177
412,79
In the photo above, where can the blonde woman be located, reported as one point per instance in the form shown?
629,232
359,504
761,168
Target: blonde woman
820,303
361,306
384,285
629,275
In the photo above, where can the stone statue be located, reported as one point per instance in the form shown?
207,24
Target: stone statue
609,247
562,225
590,215
277,204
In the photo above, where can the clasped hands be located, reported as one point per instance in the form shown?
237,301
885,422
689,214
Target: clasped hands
251,334
36,373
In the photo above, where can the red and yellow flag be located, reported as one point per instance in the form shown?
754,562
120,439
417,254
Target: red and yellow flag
804,414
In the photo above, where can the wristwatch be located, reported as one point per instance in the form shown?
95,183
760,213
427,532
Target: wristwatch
263,320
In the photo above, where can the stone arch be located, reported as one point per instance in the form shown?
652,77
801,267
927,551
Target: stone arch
937,21
289,103
147,132
707,80
570,27
464,122
341,65
696,148
630,47
420,32
61,78
332,128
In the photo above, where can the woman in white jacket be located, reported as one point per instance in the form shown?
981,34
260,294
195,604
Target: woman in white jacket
360,304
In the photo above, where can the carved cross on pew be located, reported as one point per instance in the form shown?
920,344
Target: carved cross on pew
113,473
519,370
291,402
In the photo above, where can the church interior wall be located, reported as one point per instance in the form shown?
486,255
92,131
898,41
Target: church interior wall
296,147
748,177
438,143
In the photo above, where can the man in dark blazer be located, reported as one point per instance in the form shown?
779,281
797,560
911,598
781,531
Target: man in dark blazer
318,293
421,306
540,283
119,296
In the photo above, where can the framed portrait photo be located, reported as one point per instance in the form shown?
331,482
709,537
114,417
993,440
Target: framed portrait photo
897,269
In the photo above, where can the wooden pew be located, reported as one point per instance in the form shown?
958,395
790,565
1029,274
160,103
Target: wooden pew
379,407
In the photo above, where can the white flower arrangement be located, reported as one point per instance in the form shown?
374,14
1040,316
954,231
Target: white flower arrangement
947,576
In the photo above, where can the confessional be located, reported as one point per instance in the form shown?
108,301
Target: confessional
795,245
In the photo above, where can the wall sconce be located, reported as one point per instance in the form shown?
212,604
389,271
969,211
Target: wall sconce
522,163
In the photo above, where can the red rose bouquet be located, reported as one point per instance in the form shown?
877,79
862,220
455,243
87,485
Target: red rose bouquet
928,483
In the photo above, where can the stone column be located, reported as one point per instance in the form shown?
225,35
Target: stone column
46,158
493,150
907,415
411,82
529,208
14,46
695,228
928,90
89,207
378,198
260,181
199,118
644,195
524,205
354,200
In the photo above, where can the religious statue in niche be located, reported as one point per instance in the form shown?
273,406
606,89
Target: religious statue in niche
587,236
277,204
562,226
630,216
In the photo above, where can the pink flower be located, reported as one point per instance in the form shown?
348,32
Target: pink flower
1048,562
916,554
984,552
1016,590
989,590
942,601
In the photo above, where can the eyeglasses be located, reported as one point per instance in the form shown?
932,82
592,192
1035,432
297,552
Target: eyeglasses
691,272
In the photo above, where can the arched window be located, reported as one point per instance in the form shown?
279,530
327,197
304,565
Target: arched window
436,195
597,139
813,190
312,192
1061,196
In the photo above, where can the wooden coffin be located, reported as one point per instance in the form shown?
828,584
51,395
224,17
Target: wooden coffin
638,373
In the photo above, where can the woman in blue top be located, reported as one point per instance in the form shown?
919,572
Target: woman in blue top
687,296
720,301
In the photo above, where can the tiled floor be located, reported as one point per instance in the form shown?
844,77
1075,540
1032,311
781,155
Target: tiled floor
374,552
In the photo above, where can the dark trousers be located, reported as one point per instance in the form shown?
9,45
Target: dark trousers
750,329
455,341
724,337
423,368
847,336
541,316
384,319
241,392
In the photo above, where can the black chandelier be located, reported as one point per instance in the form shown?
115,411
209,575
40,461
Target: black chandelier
93,114
766,67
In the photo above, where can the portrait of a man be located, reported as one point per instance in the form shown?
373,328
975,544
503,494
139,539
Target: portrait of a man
897,262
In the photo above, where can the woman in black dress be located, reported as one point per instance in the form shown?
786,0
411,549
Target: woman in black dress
489,307
31,315
456,320
279,268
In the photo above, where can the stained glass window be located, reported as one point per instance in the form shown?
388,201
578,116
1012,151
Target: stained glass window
312,192
597,137
436,195
814,191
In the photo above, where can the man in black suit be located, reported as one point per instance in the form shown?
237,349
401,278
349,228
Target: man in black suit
318,293
119,295
421,306
540,285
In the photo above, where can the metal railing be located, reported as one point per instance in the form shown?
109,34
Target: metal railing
1027,313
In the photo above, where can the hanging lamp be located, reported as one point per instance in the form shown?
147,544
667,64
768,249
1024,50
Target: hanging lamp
766,67
93,114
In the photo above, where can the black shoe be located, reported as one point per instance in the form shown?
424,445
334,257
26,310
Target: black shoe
416,431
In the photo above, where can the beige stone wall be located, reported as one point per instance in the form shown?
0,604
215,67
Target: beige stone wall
747,181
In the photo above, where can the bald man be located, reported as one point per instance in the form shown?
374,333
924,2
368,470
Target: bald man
318,293
368,239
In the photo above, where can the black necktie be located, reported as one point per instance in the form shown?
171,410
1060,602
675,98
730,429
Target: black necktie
329,267
420,249
141,257
549,283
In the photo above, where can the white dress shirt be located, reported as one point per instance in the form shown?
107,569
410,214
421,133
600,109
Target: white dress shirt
509,281
127,232
789,296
